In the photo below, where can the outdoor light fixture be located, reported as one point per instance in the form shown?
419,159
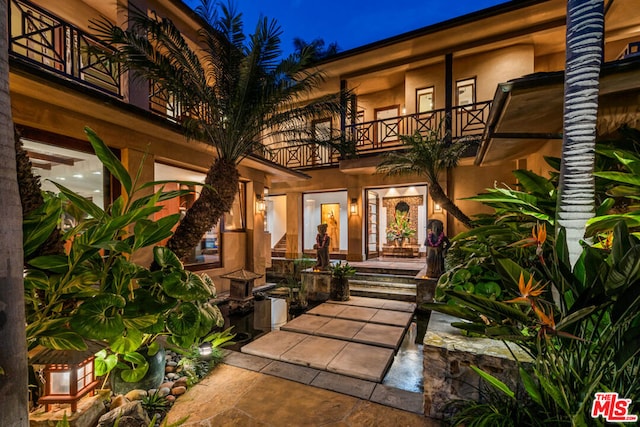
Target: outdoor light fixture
68,375
205,350
353,208
437,207
260,204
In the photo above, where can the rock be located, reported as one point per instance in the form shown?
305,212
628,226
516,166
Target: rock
168,369
164,391
180,382
170,398
172,376
168,384
172,363
178,391
152,391
129,415
118,401
136,394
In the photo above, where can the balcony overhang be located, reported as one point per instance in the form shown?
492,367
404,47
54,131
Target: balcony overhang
527,112
360,166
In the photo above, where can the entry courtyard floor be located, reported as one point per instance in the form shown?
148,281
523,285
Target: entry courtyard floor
322,368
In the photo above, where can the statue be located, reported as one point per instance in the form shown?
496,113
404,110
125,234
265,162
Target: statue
437,244
322,247
332,230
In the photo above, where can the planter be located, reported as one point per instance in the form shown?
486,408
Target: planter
153,378
339,290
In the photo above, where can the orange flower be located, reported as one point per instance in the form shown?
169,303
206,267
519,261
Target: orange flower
540,237
547,322
527,291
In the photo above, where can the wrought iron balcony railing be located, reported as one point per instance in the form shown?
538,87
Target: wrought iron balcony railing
46,41
467,121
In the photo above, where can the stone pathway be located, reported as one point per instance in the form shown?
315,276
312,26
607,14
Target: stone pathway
357,338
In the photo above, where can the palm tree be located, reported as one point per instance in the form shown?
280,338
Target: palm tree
576,201
428,156
13,357
234,93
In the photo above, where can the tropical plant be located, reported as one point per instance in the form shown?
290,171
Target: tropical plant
576,200
94,291
341,271
234,93
587,339
428,155
400,228
13,388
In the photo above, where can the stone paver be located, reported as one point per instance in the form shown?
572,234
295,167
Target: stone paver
347,385
399,306
362,361
329,310
361,302
363,314
273,344
388,317
406,400
382,335
340,328
305,323
288,371
246,361
315,352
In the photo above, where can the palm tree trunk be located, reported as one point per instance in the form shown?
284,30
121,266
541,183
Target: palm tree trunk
14,410
438,195
208,209
576,204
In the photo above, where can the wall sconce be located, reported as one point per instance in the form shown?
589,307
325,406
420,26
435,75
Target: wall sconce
437,207
353,207
261,206
69,375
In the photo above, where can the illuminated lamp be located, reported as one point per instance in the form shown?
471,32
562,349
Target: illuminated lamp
353,207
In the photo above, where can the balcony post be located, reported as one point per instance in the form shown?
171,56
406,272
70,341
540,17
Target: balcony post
448,96
343,112
134,91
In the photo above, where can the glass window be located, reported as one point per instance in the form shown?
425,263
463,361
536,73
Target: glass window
466,92
208,253
234,220
424,99
387,128
76,170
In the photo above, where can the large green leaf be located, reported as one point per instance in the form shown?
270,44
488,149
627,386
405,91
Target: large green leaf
510,272
55,263
553,391
192,288
99,317
531,386
452,310
138,367
84,204
165,258
39,225
62,339
104,362
184,319
627,178
128,342
109,160
534,183
625,272
149,232
496,383
490,308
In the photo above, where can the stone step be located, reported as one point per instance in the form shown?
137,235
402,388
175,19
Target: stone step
383,293
390,270
382,285
384,278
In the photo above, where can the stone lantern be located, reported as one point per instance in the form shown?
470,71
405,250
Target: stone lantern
241,284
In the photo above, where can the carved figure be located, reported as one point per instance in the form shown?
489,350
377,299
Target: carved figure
322,247
437,244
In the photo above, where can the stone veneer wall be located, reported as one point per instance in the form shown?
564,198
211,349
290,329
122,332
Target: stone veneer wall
413,202
447,357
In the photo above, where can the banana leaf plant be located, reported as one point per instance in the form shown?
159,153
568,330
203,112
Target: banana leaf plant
95,291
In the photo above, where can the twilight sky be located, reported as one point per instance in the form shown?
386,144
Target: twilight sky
350,23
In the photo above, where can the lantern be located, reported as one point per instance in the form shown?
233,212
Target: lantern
68,375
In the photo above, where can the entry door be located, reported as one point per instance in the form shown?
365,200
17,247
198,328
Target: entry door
373,227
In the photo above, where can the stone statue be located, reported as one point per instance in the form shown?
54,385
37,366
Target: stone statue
437,244
322,247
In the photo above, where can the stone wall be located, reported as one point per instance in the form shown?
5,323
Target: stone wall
447,357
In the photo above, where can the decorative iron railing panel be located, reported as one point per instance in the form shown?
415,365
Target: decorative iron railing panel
381,135
47,41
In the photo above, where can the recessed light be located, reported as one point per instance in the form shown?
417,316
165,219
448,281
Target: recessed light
61,178
78,175
96,191
97,173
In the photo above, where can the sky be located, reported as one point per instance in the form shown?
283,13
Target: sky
350,23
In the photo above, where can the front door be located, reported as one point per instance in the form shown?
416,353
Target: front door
373,227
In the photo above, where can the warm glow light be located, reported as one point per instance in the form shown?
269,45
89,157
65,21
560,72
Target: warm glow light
353,208
437,207
78,175
260,205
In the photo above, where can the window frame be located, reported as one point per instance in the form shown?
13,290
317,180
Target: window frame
424,91
465,83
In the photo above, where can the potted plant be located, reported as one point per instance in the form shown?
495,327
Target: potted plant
339,289
400,229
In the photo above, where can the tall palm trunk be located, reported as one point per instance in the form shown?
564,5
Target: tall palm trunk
576,204
438,195
13,356
208,209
